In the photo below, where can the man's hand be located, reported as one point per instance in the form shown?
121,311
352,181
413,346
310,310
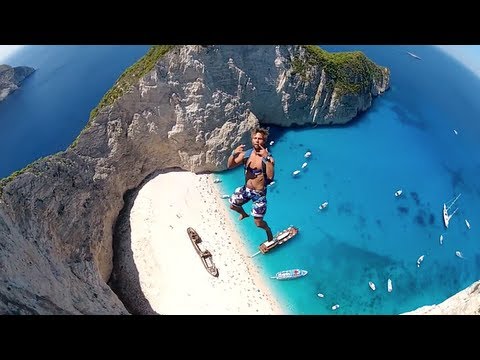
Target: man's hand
263,151
238,149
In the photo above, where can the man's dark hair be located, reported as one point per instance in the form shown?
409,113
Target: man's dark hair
262,131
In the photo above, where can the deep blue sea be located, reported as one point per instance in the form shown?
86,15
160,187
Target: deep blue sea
405,141
53,105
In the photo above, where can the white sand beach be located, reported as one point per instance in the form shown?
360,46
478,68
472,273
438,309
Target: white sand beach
171,273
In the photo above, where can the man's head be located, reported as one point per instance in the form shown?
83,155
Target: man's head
259,138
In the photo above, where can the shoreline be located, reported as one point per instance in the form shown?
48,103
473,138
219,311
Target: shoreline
172,276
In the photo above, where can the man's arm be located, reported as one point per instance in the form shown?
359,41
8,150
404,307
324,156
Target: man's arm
236,158
270,166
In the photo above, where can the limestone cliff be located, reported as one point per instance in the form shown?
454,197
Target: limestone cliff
466,302
186,109
11,78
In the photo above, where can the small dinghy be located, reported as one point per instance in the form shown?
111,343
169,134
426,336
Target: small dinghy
389,285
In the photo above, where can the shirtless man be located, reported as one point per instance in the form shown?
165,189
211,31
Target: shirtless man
259,171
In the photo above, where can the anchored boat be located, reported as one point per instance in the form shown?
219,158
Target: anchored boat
289,274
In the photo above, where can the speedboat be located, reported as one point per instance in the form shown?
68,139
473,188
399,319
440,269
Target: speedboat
389,285
372,285
459,254
308,154
323,206
441,239
414,56
296,172
304,165
398,193
467,223
419,260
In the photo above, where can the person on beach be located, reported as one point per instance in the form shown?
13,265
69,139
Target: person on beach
259,172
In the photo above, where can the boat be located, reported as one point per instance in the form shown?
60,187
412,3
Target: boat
335,307
280,238
441,239
289,274
372,285
225,196
459,254
389,285
272,142
323,206
414,56
419,260
398,192
307,154
217,180
320,295
467,223
446,216
296,172
205,255
455,131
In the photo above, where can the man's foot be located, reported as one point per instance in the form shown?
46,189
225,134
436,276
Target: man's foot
243,216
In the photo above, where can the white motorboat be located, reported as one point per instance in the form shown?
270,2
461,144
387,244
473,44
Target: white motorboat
459,254
372,285
389,285
308,154
323,206
296,172
419,260
304,165
414,55
398,193
467,223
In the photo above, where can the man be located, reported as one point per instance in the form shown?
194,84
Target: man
259,172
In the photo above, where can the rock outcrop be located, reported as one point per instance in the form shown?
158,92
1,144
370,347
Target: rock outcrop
466,302
11,78
57,216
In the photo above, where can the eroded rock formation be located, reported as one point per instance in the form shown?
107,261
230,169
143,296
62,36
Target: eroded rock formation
11,78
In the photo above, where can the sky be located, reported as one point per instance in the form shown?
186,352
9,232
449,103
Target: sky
469,55
6,50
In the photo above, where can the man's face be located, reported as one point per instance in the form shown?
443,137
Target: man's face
257,140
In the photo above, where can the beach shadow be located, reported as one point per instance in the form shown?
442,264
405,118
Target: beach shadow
124,280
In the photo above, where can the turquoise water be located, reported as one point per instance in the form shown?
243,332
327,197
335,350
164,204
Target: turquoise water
405,141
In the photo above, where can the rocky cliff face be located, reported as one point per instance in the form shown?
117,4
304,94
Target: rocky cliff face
466,302
11,78
189,111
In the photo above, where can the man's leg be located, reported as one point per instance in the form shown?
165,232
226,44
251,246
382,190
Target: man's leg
240,210
238,198
263,224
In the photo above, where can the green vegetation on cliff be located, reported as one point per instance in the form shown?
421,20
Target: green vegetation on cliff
352,71
129,78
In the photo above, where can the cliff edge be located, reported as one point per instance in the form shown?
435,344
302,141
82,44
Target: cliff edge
11,78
